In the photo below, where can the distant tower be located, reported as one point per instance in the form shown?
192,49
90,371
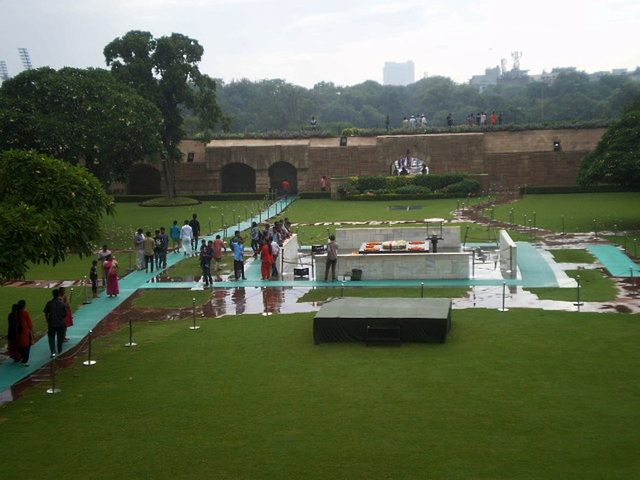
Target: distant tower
4,73
24,56
516,60
398,73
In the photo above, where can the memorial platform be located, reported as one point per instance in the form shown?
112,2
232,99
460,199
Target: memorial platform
421,320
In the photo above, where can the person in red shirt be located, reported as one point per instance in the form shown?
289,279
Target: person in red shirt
286,187
266,255
25,332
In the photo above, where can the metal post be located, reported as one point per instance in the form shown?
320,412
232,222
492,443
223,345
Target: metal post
578,303
563,232
53,388
504,294
421,289
222,221
193,304
131,342
89,362
634,290
341,290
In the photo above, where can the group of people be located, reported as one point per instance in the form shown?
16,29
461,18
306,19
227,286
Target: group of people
415,121
480,119
21,333
265,242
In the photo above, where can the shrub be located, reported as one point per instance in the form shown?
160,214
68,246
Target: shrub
465,186
415,189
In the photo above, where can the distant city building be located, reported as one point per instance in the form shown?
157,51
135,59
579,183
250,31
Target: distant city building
395,73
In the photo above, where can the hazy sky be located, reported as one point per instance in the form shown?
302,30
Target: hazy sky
345,42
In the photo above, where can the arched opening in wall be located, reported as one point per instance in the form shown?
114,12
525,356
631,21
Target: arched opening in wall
409,165
281,171
144,179
238,178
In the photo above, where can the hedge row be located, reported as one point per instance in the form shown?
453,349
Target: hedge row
559,189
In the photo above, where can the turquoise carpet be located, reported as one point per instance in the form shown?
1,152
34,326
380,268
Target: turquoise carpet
615,261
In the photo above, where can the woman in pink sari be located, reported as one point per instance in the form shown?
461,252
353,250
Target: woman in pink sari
111,268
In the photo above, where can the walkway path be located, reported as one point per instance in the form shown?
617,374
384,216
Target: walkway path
88,316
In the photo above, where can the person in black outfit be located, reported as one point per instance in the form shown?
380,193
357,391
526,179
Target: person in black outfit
195,226
55,312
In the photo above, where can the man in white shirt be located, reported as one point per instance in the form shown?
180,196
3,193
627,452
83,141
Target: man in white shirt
275,249
186,236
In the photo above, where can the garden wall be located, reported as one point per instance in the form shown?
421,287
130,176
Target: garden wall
503,160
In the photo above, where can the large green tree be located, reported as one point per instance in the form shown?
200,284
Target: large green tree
165,71
80,116
48,209
616,158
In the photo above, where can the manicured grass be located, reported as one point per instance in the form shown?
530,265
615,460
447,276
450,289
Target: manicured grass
118,230
573,255
520,395
611,211
311,211
321,294
170,298
594,287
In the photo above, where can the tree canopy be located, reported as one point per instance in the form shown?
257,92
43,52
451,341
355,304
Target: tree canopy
80,116
275,105
48,208
616,158
165,71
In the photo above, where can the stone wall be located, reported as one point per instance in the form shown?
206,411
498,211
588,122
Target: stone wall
500,160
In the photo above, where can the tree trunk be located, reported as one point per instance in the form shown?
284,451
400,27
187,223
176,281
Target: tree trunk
170,177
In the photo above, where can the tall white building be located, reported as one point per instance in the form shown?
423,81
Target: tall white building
395,73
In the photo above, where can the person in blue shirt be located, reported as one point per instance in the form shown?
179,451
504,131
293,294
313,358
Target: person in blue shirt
238,258
175,236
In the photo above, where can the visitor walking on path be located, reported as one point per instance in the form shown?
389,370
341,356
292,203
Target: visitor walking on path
55,312
102,256
186,235
238,259
111,266
175,236
195,228
149,246
138,243
25,331
266,255
218,246
68,319
332,258
13,348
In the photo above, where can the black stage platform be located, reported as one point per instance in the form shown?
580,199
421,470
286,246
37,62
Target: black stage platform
422,320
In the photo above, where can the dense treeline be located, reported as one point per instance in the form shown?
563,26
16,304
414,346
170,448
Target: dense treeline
275,105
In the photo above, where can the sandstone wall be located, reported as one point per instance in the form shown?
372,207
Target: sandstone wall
501,160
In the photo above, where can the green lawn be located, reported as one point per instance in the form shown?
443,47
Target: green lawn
522,395
118,230
585,212
594,287
573,255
